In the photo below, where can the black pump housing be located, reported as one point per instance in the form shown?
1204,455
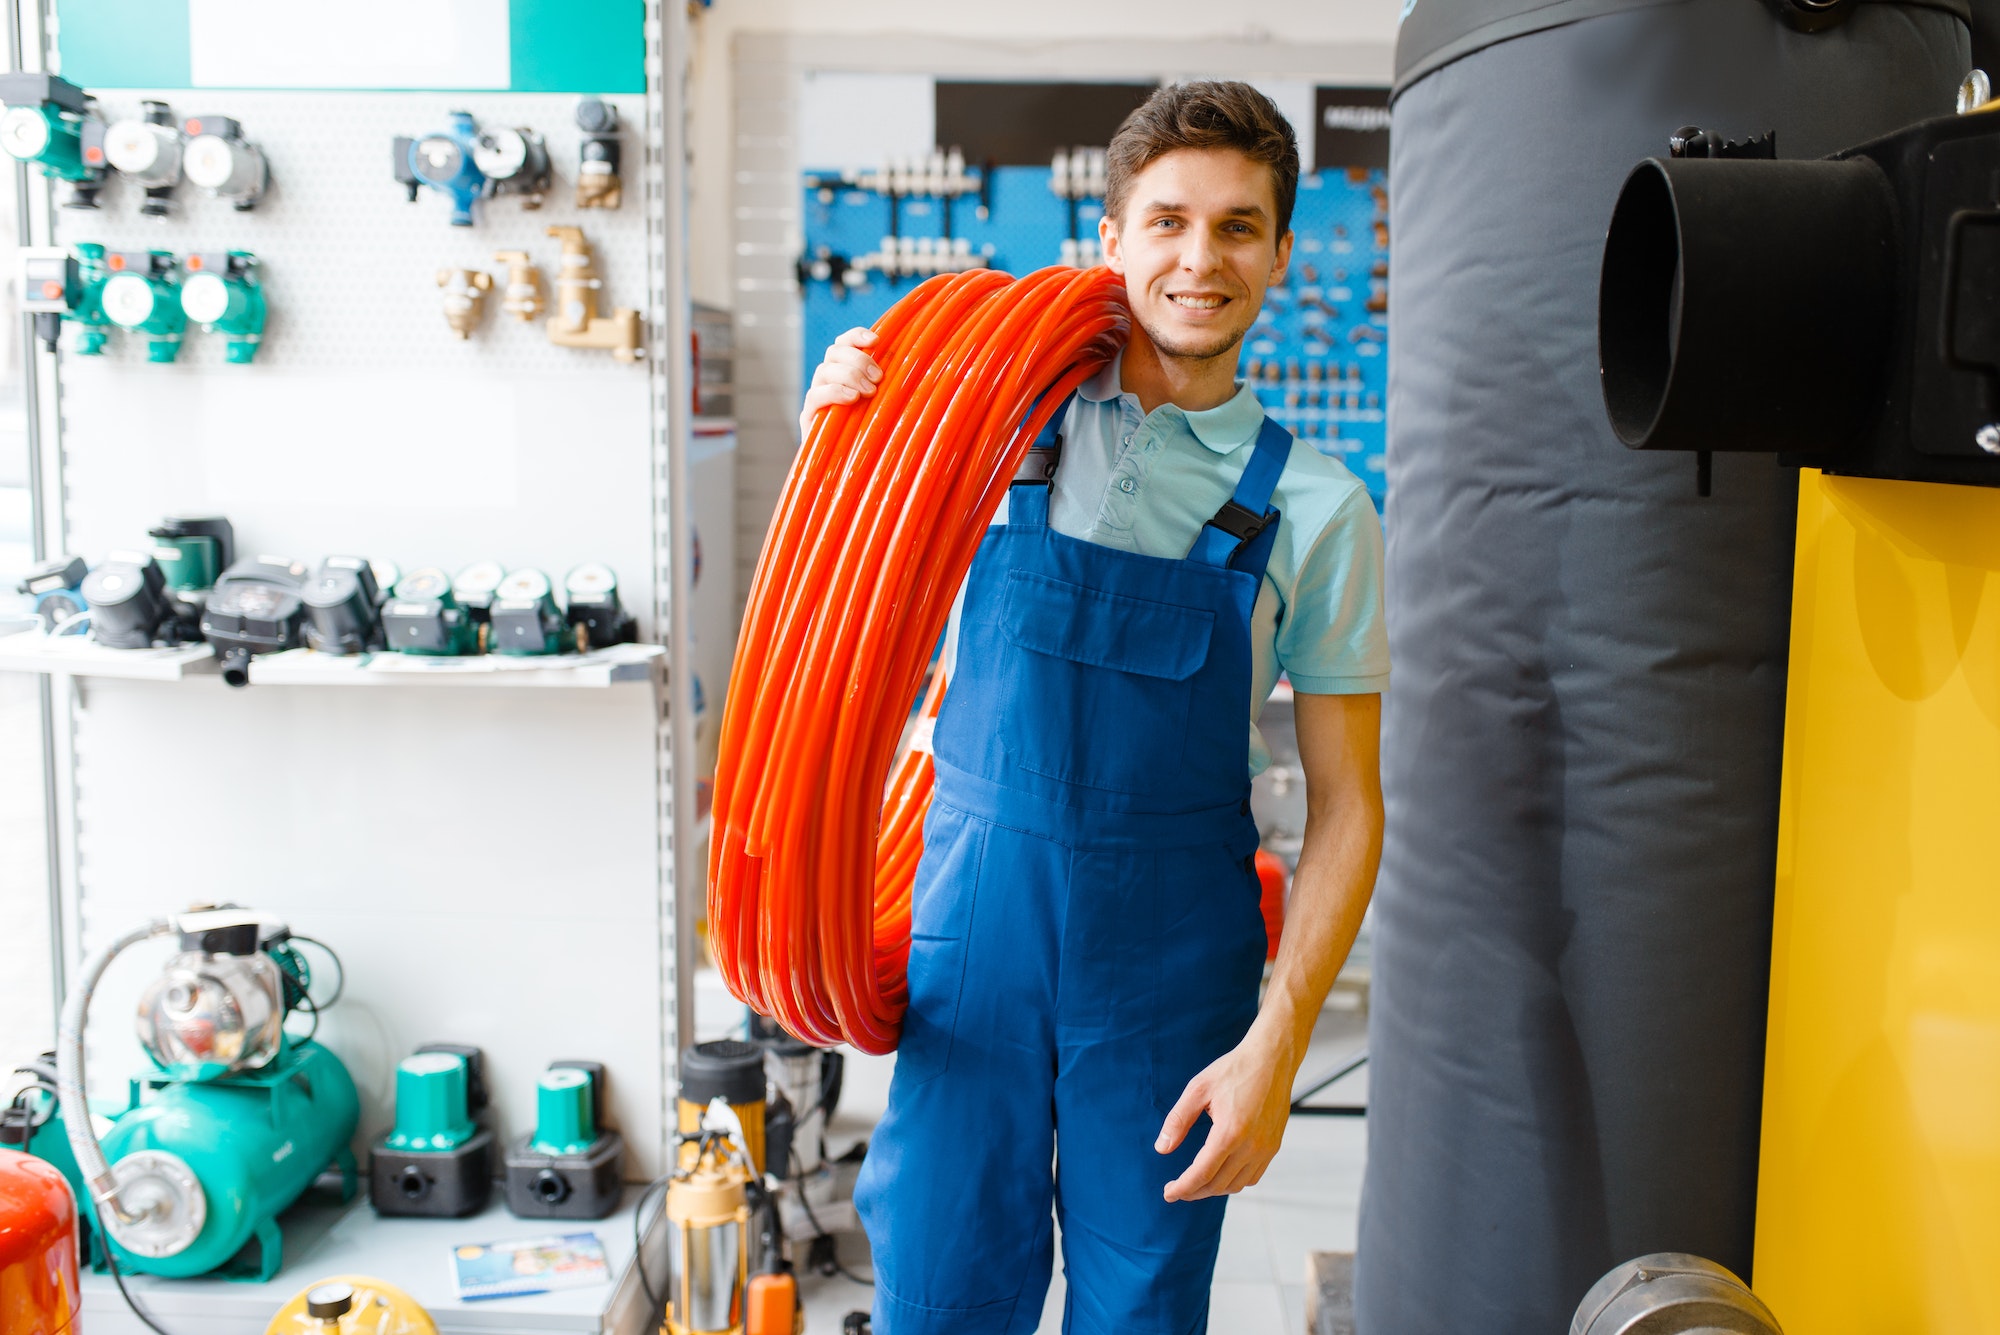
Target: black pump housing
434,1184
127,595
1843,313
255,608
724,1068
343,607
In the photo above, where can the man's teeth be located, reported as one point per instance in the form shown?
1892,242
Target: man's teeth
1198,303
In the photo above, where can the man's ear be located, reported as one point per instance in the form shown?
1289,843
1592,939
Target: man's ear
1107,240
1284,260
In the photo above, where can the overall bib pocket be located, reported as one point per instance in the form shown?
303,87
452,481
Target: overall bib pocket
941,903
1110,678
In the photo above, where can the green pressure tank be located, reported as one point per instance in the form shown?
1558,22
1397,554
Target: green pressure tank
254,1141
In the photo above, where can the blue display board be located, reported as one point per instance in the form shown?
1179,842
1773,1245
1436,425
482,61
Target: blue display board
1317,353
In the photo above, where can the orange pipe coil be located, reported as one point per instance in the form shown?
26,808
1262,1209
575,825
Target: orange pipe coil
816,841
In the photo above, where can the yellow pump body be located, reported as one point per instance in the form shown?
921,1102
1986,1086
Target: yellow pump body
376,1308
1878,1207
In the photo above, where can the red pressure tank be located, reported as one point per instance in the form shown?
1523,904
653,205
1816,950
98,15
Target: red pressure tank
38,1279
1271,884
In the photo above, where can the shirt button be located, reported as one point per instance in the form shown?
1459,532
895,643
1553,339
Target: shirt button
1127,485
1128,438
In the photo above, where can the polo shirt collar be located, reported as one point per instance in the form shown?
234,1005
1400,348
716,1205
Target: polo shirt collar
1222,428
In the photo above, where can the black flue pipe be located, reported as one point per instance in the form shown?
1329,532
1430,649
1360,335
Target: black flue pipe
1746,305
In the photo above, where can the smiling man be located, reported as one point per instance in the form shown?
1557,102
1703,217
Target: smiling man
1084,1023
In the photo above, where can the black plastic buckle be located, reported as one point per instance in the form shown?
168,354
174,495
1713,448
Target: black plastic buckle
1240,522
1038,466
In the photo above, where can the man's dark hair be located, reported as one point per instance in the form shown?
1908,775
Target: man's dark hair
1207,114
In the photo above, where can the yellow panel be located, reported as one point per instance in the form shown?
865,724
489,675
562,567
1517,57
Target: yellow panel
1878,1209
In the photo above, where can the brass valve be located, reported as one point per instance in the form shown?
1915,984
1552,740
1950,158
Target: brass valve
522,297
464,298
576,322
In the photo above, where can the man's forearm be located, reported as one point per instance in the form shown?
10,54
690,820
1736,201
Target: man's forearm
1330,890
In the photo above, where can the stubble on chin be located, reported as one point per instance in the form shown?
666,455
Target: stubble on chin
1221,344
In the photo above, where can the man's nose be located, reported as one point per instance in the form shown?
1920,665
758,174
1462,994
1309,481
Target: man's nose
1199,253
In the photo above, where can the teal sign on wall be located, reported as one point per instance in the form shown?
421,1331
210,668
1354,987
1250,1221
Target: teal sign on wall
520,46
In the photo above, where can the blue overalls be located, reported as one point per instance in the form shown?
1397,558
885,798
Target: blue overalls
1086,934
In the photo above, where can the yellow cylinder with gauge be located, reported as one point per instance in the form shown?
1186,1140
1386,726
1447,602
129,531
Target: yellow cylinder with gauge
351,1305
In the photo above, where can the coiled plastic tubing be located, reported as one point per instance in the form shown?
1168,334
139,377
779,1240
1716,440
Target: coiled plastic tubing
822,781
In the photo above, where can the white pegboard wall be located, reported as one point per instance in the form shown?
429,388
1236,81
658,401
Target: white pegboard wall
349,266
498,869
365,425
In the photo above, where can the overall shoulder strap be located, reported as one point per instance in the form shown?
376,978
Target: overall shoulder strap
1028,495
1241,533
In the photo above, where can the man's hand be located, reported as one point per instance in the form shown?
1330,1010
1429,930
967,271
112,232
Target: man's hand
1247,1094
846,376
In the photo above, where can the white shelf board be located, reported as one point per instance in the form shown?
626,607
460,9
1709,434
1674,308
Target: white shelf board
598,668
81,656
324,1239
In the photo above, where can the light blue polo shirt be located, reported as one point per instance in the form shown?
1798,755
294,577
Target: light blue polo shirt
1147,482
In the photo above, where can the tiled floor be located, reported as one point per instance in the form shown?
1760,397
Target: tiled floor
1306,1202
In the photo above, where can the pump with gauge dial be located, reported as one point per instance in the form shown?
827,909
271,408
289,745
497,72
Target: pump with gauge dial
146,150
222,291
593,612
143,295
422,617
524,616
223,163
514,161
446,163
257,607
46,123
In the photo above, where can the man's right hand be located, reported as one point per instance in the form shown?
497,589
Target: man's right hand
846,376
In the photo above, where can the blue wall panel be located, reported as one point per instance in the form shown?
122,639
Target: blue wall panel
1318,321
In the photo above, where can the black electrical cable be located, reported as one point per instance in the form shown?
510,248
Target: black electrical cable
340,986
111,1264
832,1250
654,1300
311,1007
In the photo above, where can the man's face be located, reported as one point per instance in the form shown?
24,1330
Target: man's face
1197,244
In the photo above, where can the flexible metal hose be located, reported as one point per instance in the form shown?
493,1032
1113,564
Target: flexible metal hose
69,1070
809,875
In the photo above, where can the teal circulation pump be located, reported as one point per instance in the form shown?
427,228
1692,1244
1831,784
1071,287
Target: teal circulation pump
235,1120
143,295
222,292
571,1166
54,124
438,1161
